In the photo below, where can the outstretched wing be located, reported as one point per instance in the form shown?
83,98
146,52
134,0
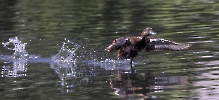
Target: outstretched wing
162,44
116,44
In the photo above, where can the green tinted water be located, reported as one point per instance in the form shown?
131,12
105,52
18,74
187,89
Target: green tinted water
162,75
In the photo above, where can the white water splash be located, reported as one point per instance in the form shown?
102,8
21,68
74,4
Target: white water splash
19,47
110,64
16,63
64,62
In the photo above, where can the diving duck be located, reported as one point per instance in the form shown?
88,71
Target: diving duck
128,47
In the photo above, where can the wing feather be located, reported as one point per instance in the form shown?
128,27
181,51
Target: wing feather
162,44
116,44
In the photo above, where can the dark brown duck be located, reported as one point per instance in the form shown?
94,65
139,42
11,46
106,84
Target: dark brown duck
128,47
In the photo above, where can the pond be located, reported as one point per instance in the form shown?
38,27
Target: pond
55,49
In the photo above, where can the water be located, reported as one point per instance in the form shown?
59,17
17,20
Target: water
55,50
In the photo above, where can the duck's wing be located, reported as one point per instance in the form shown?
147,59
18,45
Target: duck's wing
162,44
116,44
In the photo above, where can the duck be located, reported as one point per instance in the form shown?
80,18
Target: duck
128,47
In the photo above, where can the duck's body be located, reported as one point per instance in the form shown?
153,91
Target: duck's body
130,46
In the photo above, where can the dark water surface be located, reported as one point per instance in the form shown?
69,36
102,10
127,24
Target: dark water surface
91,25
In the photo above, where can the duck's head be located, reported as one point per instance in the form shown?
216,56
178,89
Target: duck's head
147,32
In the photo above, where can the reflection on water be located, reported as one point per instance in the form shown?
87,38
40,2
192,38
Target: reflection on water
208,81
209,85
143,84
